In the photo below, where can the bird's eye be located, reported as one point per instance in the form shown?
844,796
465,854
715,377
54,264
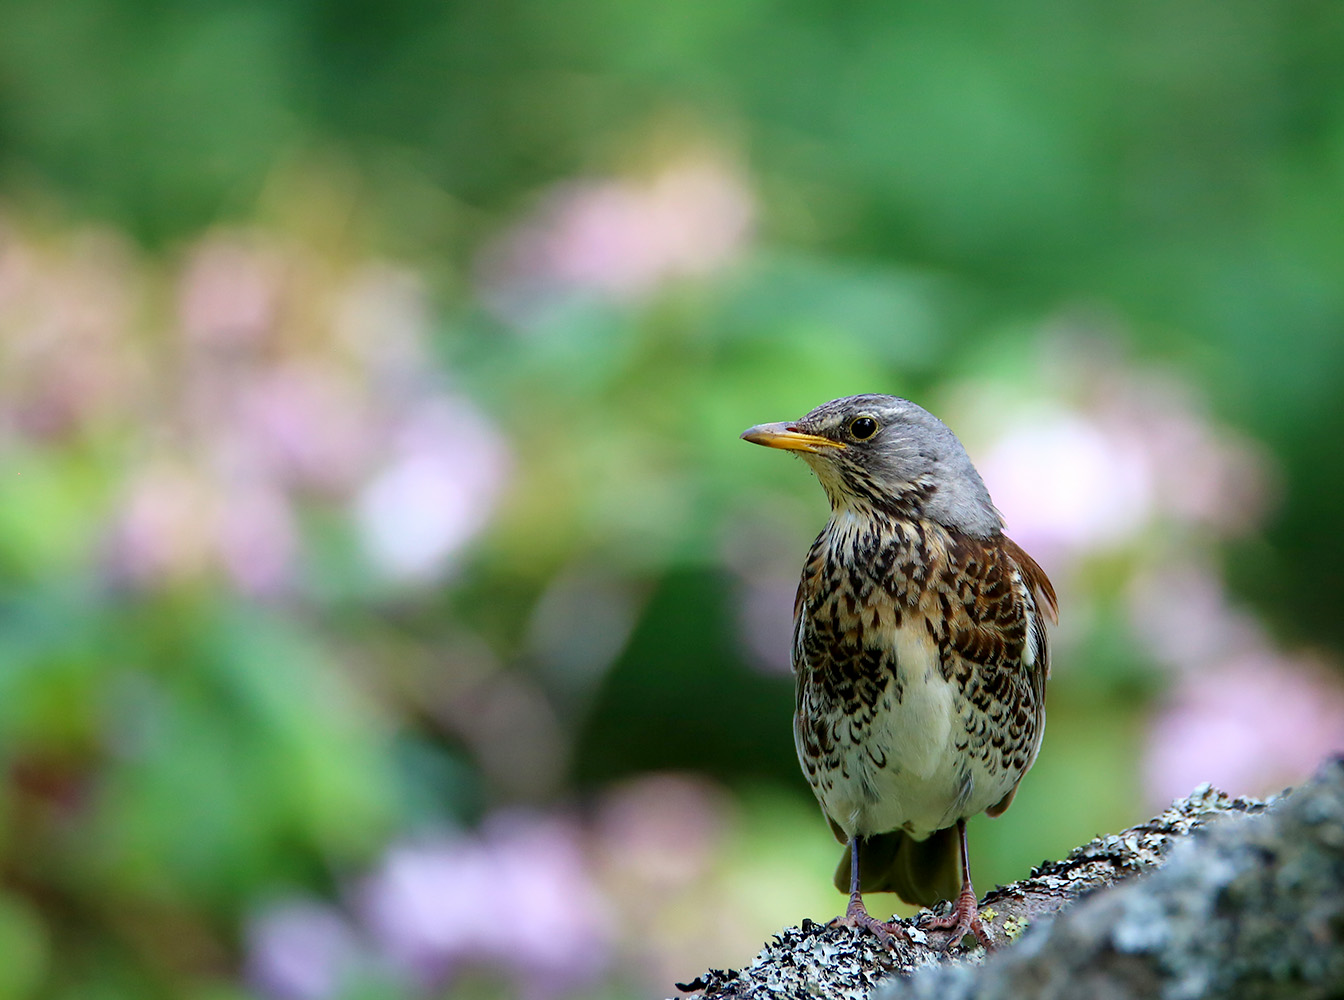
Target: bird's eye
863,427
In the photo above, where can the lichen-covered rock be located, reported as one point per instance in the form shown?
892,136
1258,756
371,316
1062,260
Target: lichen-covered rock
1236,903
1252,908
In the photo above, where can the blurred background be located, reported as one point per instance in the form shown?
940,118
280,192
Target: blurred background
388,607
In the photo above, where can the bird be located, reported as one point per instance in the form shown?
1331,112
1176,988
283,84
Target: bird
920,654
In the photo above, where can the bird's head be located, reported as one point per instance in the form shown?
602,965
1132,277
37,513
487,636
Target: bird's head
887,454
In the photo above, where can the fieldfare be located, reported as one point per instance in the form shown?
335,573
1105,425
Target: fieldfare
919,653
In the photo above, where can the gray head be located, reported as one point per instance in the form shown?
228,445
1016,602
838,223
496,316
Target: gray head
886,453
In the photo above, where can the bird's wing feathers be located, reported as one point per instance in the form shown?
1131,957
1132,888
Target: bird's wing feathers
1036,579
996,642
987,596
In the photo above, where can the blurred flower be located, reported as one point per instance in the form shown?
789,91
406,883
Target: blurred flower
1136,452
659,833
68,360
306,423
289,378
257,540
666,849
1241,714
1205,472
1253,724
164,530
621,239
299,950
1062,482
438,488
541,902
230,291
176,524
518,898
1182,617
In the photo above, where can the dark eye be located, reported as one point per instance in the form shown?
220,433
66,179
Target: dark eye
863,427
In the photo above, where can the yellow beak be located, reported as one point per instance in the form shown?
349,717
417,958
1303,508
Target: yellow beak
783,435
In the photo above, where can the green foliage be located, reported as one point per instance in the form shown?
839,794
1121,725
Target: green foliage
221,681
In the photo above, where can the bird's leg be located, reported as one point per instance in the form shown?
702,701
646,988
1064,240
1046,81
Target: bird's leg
856,914
965,916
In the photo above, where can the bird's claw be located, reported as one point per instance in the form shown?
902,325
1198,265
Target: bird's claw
858,917
964,919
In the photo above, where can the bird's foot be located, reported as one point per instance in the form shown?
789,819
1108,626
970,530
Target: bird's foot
858,917
964,919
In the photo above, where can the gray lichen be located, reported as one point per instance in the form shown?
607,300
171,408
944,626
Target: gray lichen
1239,898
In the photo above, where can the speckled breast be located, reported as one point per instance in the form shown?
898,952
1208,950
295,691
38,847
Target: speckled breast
919,665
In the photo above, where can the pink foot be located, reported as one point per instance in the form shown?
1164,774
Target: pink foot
858,917
964,919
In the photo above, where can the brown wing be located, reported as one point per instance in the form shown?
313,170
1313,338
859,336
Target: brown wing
992,599
1036,579
989,596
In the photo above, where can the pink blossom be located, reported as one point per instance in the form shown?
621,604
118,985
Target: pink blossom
176,524
164,530
518,897
438,488
308,423
1183,618
623,239
230,292
299,950
1063,483
1242,714
1252,725
1135,453
661,832
256,539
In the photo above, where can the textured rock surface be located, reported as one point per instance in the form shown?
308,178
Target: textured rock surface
1242,898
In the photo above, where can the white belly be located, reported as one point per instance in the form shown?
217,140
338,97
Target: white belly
909,767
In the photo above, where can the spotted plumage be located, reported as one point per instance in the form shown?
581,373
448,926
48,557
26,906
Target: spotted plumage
920,650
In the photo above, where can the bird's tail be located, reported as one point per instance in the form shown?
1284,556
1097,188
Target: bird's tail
921,872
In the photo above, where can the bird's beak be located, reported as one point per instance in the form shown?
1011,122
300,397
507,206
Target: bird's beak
788,437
